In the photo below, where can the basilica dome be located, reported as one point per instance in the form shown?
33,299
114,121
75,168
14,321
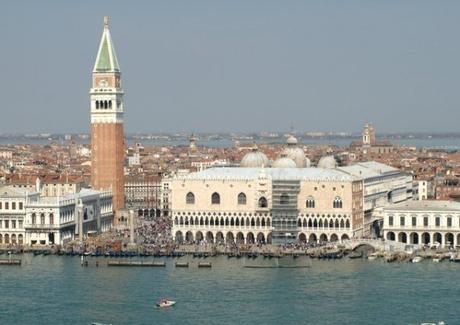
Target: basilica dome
284,162
295,153
255,159
327,162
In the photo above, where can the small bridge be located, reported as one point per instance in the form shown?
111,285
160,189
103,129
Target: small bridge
387,245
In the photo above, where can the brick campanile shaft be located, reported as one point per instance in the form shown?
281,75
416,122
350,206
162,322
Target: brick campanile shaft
107,134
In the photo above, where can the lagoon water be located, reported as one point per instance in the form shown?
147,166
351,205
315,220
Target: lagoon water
57,290
444,143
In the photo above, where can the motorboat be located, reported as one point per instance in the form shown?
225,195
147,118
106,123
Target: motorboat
164,303
417,259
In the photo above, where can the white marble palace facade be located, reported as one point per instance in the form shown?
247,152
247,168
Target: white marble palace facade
274,205
423,222
247,205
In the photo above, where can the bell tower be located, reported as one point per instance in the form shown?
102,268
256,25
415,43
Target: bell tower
107,132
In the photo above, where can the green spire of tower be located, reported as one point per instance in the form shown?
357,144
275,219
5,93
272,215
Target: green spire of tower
106,60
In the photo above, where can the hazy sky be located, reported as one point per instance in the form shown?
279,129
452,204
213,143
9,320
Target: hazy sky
239,65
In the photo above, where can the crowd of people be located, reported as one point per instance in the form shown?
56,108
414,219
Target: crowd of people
154,231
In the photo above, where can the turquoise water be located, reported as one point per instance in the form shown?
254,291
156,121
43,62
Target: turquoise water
57,290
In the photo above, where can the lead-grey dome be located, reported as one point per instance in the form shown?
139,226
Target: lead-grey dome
284,162
327,162
295,153
255,159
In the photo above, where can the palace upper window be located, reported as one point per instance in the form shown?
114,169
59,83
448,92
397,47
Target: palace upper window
241,199
263,202
190,198
215,198
337,204
310,202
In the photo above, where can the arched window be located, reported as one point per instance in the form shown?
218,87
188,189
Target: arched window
190,198
310,203
51,219
263,202
215,198
242,198
97,104
42,218
110,104
284,199
34,218
337,204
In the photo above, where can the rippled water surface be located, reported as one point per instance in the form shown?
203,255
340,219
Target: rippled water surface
57,290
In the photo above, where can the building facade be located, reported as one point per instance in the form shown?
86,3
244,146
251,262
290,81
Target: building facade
272,205
58,220
143,193
48,185
12,214
423,222
282,205
107,133
448,188
383,186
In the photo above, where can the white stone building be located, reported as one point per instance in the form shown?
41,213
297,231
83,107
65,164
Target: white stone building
273,205
58,220
383,186
12,214
423,222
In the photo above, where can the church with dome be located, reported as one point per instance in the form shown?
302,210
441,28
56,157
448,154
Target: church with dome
282,201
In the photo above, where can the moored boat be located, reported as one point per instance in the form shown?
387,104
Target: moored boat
355,255
372,257
417,259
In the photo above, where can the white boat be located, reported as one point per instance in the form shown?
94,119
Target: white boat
417,259
436,259
372,257
163,303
